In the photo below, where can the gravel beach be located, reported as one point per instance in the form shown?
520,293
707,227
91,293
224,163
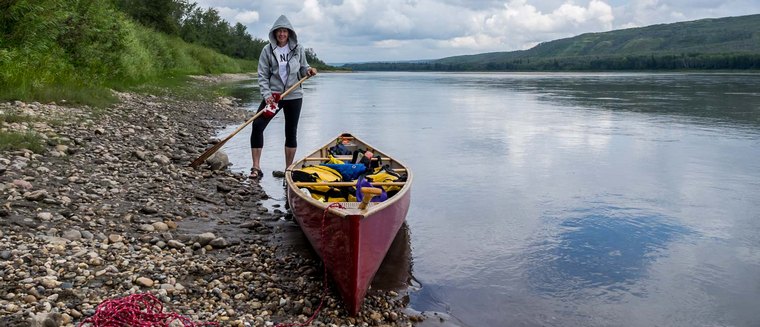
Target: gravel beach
111,208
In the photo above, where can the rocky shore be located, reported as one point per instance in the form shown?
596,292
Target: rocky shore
110,208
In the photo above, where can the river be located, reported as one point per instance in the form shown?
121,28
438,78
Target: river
559,199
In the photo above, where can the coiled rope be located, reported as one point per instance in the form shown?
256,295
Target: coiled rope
136,310
324,273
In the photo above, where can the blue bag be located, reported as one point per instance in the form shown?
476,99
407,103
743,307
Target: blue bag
339,149
348,171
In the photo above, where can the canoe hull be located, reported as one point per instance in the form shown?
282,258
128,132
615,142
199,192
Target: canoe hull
353,247
351,242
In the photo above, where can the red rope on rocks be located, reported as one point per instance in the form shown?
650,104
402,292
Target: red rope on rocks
324,273
136,310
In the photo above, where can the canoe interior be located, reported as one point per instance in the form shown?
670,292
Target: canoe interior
352,143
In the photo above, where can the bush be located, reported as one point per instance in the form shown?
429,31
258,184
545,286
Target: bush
10,141
70,45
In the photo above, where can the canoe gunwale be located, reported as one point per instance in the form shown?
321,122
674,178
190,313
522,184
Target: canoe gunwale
337,211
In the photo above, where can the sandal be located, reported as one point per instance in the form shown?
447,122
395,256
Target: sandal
256,173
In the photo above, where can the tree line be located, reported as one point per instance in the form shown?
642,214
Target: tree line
201,26
721,43
683,61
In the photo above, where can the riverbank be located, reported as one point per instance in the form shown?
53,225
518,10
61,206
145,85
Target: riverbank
111,208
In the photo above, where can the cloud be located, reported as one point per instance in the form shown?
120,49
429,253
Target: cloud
247,17
519,25
365,30
390,44
311,11
234,15
520,16
478,41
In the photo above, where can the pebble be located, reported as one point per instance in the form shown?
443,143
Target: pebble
123,213
144,281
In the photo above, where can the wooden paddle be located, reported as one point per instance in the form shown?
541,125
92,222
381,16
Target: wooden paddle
369,193
198,161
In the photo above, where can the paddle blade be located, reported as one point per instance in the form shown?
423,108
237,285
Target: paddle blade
205,155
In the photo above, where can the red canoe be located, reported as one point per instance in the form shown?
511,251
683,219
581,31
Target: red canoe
351,241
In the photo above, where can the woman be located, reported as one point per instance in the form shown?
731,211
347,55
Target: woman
281,64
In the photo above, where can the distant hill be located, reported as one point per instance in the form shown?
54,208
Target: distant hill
722,43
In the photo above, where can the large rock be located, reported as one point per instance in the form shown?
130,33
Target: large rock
205,238
162,159
218,161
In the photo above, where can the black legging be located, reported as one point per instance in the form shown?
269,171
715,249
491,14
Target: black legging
292,111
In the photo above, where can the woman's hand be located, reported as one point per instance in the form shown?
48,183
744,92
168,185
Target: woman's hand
270,100
312,71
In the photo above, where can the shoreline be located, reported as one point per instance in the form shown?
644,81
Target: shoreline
111,208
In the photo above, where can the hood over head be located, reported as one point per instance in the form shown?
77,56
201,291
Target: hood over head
281,22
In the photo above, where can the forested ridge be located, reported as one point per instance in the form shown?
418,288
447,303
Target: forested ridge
723,43
50,46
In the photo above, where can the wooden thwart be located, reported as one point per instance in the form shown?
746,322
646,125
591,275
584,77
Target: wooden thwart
339,184
326,158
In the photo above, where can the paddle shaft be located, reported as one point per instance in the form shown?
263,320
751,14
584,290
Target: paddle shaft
205,155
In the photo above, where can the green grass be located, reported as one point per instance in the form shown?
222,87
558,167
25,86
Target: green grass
11,141
12,117
182,87
74,53
98,97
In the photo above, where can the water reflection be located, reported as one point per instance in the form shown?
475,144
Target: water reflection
247,92
578,199
395,273
599,250
722,98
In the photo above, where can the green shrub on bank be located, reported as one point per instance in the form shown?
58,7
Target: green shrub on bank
150,56
16,140
11,141
76,49
12,117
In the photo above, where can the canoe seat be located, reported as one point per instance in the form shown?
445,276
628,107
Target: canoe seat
339,184
344,158
321,159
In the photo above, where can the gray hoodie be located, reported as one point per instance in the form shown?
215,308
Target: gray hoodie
269,78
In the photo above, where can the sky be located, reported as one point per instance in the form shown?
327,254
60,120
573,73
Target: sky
344,31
